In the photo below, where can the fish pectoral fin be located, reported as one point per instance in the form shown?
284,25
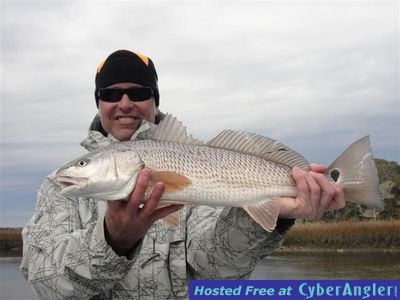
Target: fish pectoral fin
264,213
173,181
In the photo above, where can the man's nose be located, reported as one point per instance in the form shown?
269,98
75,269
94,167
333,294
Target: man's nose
125,102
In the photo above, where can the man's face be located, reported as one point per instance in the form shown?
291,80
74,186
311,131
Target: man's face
122,119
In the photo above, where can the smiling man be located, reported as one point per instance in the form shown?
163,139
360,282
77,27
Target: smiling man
126,92
81,248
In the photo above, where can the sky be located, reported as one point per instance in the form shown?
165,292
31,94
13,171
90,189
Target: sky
315,75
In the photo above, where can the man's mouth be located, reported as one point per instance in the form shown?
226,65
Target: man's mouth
127,120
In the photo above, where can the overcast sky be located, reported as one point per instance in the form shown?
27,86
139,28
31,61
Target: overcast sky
316,75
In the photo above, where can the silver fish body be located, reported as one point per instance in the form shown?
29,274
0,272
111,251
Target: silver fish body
217,177
234,169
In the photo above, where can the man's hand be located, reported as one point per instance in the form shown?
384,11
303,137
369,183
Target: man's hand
126,223
315,195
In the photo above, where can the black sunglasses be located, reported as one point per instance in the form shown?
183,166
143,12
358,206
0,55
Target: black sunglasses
135,94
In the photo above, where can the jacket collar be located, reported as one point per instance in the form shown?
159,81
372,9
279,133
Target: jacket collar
96,140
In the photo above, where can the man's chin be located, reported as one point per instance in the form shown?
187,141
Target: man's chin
124,134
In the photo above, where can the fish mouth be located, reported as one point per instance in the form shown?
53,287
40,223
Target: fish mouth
71,184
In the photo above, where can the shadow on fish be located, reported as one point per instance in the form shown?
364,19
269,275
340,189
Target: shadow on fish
233,169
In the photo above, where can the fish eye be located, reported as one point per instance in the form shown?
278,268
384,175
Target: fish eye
81,163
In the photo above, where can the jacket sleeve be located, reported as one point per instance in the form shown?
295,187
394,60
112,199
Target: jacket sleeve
227,243
65,254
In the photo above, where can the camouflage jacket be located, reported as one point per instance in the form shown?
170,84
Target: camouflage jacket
66,255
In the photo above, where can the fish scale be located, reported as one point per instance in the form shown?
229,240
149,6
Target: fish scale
219,177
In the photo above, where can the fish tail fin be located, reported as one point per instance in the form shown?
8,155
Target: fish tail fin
355,170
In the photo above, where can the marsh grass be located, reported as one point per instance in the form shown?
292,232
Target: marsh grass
311,235
367,234
10,239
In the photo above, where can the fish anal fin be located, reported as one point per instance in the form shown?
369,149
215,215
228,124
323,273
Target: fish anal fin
264,213
174,182
172,219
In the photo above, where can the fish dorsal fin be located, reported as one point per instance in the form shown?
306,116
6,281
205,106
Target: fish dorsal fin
259,146
172,130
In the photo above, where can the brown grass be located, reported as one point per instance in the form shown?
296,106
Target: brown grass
10,239
371,234
349,235
10,234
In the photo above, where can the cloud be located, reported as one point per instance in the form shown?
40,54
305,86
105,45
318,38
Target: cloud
315,75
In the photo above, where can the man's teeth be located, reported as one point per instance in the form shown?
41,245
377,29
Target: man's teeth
126,119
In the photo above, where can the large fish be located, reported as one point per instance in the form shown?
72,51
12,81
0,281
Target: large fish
233,169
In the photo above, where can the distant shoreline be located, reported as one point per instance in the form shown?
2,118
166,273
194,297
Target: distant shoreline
282,250
349,235
341,237
336,250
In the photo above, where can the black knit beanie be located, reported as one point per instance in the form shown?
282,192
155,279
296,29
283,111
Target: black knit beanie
127,66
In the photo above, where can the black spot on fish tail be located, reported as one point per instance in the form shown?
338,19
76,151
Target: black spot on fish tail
335,173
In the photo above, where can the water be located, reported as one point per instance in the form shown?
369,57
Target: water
281,265
13,285
330,265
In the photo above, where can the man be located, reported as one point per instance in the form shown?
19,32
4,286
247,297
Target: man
80,248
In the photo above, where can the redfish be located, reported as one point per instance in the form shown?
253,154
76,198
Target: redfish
233,169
